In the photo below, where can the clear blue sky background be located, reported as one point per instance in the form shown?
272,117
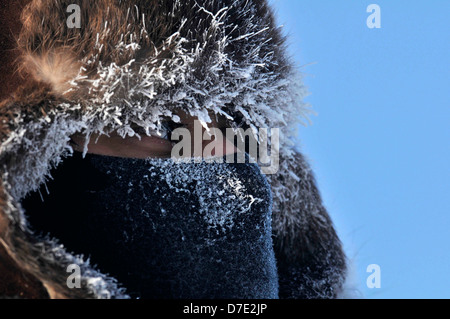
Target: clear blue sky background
380,143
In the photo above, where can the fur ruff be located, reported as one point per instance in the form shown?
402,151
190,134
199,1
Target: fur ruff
133,63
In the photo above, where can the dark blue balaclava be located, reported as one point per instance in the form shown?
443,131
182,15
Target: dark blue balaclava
165,229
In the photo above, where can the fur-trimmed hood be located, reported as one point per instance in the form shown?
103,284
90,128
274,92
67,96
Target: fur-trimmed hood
133,64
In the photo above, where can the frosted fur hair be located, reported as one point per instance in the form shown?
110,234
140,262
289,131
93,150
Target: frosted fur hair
134,64
195,57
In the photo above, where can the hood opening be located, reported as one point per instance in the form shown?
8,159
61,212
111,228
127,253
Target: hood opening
58,210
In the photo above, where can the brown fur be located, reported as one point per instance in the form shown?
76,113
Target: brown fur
9,30
14,280
305,237
49,43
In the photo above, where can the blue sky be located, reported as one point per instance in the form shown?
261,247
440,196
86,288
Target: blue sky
380,142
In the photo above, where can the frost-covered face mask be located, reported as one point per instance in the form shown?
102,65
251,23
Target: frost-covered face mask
164,228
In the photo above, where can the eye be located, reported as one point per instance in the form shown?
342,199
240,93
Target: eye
168,127
171,126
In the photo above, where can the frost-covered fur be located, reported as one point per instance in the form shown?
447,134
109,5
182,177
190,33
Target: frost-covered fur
134,63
